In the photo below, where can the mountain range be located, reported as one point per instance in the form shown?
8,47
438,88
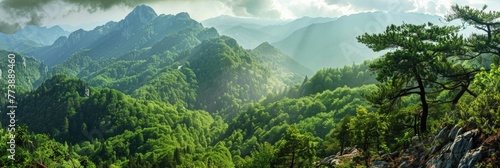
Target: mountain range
168,91
314,42
333,44
318,42
141,28
252,32
31,37
140,53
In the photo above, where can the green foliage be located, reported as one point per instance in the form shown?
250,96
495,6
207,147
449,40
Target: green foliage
141,29
316,114
61,108
39,150
28,70
295,149
228,76
144,106
78,65
368,130
261,156
328,79
285,71
484,110
484,21
339,138
332,78
153,73
415,64
175,86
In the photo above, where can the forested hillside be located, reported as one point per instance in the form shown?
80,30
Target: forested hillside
30,71
141,28
286,70
164,91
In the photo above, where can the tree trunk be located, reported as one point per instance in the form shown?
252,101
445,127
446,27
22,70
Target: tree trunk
457,97
415,122
425,112
341,147
293,159
425,106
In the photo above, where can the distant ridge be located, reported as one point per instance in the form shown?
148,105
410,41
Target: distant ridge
141,28
250,32
333,44
31,37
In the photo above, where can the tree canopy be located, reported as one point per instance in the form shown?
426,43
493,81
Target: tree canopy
417,54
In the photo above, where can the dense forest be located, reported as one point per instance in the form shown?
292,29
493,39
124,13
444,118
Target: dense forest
168,92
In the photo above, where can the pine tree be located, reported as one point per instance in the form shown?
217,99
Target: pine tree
414,62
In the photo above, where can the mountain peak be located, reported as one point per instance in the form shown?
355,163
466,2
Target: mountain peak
183,15
266,47
142,14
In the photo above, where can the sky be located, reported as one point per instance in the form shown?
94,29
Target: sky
16,14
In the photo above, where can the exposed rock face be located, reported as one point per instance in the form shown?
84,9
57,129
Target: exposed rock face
471,157
337,159
454,152
380,164
451,147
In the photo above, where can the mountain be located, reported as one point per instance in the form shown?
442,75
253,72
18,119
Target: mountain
283,30
137,69
184,68
247,37
29,72
190,97
224,22
252,32
334,44
27,75
31,37
168,58
284,69
104,123
84,26
64,47
228,76
142,28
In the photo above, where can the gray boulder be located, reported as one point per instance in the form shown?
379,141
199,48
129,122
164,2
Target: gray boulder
471,158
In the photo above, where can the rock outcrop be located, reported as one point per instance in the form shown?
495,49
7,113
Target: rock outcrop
455,150
453,146
339,158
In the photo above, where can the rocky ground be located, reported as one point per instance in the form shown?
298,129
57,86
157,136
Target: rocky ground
453,146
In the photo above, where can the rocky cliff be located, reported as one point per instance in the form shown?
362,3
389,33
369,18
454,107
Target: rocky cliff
453,146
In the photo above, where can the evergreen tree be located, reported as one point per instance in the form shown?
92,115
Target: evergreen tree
295,149
413,64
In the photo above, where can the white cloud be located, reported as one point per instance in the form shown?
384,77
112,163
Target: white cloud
315,8
50,12
384,5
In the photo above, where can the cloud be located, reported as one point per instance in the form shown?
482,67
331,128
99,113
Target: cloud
19,13
254,8
9,27
382,5
315,8
15,14
433,7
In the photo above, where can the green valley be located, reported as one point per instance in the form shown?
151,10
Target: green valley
164,91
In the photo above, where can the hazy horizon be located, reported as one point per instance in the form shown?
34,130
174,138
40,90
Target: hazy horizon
17,14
